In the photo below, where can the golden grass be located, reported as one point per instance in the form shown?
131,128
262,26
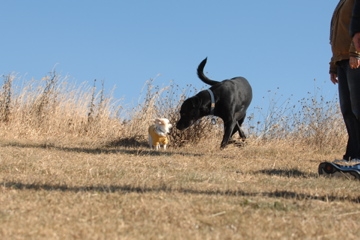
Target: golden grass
258,191
75,170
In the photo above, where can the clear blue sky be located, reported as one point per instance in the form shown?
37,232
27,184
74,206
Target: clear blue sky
279,45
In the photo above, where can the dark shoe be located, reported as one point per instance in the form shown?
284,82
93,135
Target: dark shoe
330,169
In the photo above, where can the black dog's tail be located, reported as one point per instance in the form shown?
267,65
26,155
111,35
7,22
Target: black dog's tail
200,73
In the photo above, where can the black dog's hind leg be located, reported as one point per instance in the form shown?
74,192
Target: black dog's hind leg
229,128
238,129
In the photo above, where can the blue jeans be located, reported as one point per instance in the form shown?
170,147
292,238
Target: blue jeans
349,96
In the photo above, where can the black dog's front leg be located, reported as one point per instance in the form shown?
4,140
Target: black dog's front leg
228,129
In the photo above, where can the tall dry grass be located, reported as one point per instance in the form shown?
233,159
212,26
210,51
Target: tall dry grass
55,109
314,121
73,167
52,108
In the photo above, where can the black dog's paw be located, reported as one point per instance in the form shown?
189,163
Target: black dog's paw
238,143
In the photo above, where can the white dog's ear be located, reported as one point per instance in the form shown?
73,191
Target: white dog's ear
158,121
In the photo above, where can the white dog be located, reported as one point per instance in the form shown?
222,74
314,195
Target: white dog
158,133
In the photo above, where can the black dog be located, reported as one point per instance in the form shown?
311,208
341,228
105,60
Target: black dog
228,100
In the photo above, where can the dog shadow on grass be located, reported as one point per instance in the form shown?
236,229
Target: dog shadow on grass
125,189
130,146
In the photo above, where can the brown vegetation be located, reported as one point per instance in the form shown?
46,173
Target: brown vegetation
71,167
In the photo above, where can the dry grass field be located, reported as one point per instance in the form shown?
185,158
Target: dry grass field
71,168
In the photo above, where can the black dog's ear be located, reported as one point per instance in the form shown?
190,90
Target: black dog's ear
196,102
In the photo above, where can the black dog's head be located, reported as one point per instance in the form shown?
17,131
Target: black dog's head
191,110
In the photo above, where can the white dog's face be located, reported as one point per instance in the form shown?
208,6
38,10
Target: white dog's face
163,124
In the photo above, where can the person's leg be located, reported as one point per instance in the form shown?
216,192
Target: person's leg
346,75
353,78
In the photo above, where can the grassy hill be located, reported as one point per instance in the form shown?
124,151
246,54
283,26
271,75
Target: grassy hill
72,168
